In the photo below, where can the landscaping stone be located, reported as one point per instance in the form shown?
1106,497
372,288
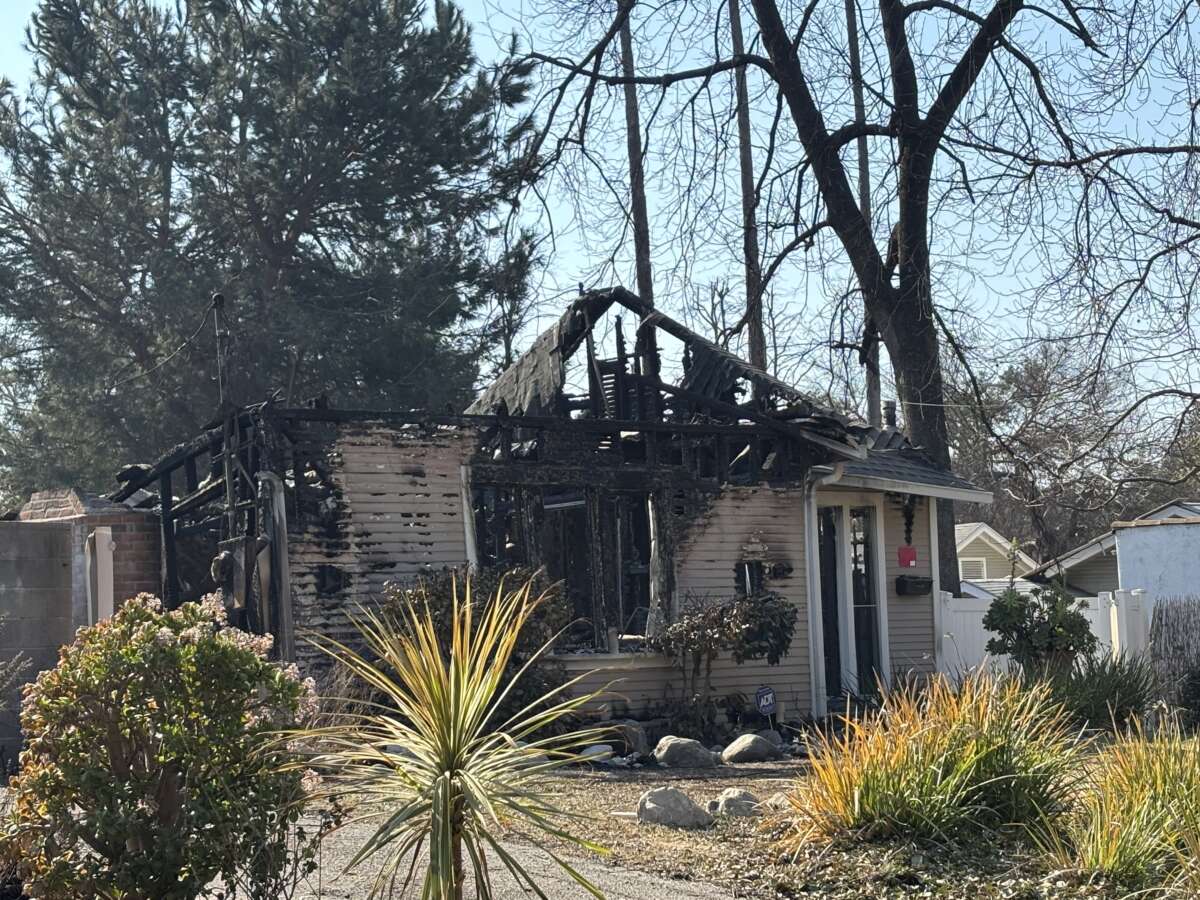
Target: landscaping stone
633,735
672,807
733,802
749,748
596,753
684,753
773,737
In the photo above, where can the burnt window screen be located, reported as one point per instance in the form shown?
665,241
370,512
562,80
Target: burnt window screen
566,554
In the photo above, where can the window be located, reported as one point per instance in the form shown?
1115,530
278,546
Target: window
971,569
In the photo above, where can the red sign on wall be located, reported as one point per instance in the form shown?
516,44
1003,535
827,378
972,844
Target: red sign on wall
908,557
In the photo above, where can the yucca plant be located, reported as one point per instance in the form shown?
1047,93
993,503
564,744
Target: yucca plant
937,758
425,763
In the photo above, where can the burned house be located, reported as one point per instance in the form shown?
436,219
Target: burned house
637,490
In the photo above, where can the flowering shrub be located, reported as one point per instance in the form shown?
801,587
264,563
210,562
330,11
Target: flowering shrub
152,765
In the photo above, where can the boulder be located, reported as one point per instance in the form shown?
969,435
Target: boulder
734,802
672,807
771,736
596,753
749,748
633,735
684,753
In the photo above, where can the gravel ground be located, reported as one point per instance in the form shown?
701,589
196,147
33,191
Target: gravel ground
737,858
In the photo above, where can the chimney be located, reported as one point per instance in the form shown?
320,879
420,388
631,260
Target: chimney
889,413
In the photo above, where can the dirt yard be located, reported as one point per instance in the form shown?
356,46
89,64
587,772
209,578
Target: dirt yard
742,855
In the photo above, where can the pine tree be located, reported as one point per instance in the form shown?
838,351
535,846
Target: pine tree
333,167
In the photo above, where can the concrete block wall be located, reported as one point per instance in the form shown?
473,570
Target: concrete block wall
37,575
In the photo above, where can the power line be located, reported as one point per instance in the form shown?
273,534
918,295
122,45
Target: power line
187,342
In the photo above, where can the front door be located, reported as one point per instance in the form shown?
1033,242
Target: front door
852,616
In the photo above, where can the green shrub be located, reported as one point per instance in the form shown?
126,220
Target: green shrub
1103,691
456,782
152,765
748,628
939,759
1043,631
1138,819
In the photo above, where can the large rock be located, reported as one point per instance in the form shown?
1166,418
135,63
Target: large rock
771,736
749,748
734,802
633,735
596,753
671,806
683,753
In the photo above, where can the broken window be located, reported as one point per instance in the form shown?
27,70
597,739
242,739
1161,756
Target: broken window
497,527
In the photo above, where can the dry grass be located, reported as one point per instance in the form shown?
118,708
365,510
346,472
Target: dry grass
939,759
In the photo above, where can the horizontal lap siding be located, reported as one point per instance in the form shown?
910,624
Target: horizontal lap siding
400,514
998,564
910,619
705,567
630,690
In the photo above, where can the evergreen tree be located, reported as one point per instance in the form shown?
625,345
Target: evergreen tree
334,167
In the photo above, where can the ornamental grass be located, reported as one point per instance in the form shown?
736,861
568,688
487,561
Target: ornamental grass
938,758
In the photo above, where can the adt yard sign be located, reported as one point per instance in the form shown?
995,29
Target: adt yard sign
764,699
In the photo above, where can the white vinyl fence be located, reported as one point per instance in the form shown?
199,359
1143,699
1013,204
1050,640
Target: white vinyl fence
1120,620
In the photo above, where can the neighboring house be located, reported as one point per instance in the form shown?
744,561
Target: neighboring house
984,554
1158,552
637,493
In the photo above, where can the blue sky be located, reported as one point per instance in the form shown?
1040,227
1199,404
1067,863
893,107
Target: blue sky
14,61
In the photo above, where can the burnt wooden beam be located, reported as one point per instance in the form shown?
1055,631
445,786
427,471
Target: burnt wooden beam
199,497
170,561
536,423
618,478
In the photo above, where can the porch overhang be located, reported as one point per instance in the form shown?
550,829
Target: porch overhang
901,486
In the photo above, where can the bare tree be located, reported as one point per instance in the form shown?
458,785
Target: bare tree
997,132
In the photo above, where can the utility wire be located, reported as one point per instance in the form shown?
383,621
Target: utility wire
174,353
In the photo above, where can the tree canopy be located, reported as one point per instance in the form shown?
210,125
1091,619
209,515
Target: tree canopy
335,168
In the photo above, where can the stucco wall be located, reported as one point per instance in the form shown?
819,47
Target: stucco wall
1162,559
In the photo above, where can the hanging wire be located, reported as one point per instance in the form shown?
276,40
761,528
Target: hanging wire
174,353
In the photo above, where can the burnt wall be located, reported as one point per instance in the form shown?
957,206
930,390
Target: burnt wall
379,505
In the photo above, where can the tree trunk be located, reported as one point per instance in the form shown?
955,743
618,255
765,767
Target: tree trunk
870,338
645,346
754,304
458,866
910,332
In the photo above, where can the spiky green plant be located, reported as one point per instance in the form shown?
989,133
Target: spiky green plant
425,764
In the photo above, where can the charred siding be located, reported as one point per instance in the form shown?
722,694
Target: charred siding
392,511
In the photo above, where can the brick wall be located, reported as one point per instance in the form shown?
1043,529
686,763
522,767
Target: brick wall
137,566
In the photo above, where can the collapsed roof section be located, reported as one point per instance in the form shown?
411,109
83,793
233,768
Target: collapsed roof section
621,388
